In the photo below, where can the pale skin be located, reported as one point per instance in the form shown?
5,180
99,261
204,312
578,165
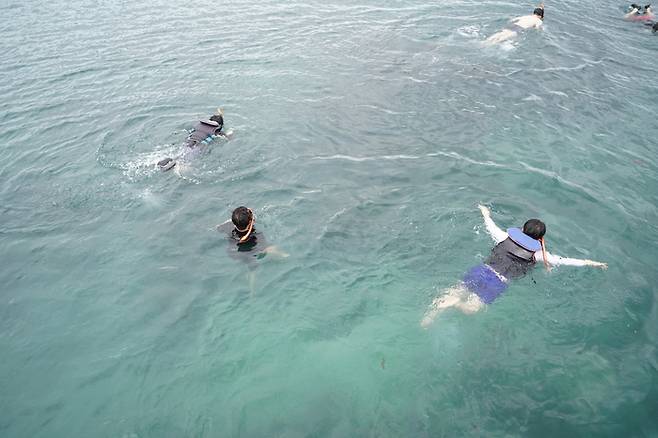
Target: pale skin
462,298
633,12
636,12
525,22
271,250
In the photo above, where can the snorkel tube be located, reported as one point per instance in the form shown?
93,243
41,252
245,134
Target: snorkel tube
543,253
249,228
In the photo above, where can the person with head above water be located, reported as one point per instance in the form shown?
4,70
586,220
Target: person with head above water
246,243
636,13
203,133
518,25
516,252
634,10
245,239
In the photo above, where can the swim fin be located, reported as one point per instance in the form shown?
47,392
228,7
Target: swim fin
166,164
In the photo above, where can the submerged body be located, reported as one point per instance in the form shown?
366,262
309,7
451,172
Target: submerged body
246,243
514,255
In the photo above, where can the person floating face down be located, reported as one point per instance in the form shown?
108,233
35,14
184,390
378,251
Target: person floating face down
515,254
202,134
518,25
246,242
636,13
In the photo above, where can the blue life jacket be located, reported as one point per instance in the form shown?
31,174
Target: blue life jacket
514,256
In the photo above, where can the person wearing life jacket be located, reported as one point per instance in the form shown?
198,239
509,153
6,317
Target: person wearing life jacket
518,25
516,252
203,133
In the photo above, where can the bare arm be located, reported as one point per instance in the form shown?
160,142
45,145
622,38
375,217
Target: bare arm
275,252
634,11
496,233
557,260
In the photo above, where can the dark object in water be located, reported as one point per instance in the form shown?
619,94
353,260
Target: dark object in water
166,164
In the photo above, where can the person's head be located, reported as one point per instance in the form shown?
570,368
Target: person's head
242,218
654,29
219,119
535,229
647,9
634,6
539,11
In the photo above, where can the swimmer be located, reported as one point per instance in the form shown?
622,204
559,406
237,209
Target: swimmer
202,134
635,15
241,231
247,244
634,10
518,25
516,252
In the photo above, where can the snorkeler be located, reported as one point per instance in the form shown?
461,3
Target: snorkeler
515,253
241,230
518,25
202,134
247,244
635,15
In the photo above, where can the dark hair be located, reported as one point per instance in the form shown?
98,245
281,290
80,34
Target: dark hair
655,28
534,228
539,11
241,217
219,119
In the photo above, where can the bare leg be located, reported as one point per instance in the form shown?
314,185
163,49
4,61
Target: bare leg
451,298
501,36
471,304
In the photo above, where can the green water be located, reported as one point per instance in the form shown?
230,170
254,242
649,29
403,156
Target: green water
365,136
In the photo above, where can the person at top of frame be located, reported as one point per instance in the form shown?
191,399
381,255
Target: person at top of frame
518,25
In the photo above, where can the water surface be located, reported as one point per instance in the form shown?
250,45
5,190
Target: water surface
365,136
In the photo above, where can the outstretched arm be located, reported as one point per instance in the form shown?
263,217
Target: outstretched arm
557,260
275,252
496,233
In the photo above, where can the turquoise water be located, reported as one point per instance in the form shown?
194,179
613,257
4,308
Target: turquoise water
366,133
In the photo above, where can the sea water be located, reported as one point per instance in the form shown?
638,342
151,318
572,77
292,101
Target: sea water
365,135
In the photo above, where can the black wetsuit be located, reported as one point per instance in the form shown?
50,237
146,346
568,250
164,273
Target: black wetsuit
254,247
